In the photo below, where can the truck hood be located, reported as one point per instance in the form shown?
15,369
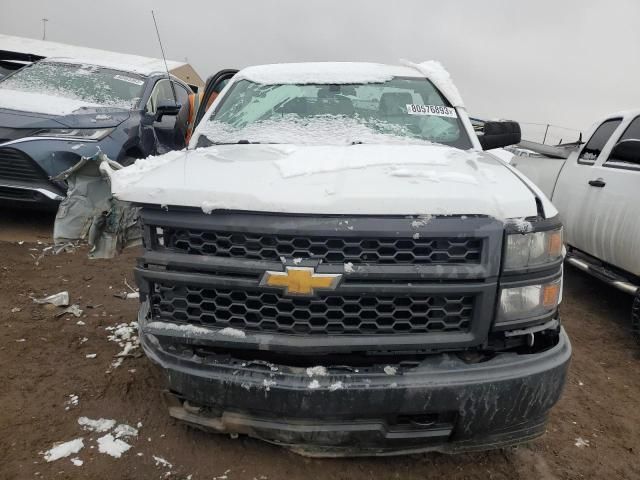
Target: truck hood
355,179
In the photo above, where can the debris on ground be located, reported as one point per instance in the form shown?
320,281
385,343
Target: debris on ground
62,450
16,309
125,335
581,442
58,299
161,462
72,401
74,310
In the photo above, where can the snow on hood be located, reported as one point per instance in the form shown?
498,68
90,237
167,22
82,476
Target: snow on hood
41,103
349,180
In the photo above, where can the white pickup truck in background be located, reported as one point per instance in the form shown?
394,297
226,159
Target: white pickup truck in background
597,192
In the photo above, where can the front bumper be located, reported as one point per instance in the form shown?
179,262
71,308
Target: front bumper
439,404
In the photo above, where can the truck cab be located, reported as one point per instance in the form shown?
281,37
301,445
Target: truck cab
336,266
596,190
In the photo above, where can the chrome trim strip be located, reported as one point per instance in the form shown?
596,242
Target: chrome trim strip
29,139
42,191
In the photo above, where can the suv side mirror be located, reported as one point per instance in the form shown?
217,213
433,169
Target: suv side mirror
626,151
166,107
500,134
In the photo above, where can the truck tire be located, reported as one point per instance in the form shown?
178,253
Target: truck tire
635,317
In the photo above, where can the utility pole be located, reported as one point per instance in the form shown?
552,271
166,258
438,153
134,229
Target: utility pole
44,28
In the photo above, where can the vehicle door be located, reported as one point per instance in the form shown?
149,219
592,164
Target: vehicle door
212,89
615,228
577,195
170,129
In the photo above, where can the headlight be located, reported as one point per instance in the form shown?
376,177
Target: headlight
530,301
533,249
76,133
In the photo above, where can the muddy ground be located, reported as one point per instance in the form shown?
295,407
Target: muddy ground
43,361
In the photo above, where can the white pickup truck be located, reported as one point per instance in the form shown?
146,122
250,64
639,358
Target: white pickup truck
335,265
597,191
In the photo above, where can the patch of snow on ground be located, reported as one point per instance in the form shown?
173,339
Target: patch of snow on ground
317,371
77,462
100,425
123,431
63,450
112,446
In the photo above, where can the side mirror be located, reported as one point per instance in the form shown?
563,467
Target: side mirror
626,151
500,134
166,107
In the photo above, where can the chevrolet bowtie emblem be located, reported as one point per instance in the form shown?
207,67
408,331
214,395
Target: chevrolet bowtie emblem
301,280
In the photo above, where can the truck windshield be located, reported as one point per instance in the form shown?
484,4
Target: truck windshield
401,110
101,86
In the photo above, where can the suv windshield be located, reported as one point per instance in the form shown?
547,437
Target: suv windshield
101,86
401,110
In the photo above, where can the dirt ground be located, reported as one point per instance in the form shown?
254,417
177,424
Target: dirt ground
43,361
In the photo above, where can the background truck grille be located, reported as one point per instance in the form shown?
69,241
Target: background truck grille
259,311
15,165
257,246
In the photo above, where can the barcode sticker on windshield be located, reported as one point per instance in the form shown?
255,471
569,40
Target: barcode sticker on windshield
437,110
135,81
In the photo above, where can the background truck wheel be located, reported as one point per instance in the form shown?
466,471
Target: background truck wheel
635,317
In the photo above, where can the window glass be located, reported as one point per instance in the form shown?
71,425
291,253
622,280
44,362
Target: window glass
596,143
401,110
89,83
631,133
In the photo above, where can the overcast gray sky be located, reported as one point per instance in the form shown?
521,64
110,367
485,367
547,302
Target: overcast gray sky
565,62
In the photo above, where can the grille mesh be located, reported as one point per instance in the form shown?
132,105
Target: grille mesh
328,249
260,311
15,165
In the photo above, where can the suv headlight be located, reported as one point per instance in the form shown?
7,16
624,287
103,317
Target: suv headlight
529,301
76,133
532,249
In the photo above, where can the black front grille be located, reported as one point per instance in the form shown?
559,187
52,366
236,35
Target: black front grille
16,193
15,165
259,311
256,246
